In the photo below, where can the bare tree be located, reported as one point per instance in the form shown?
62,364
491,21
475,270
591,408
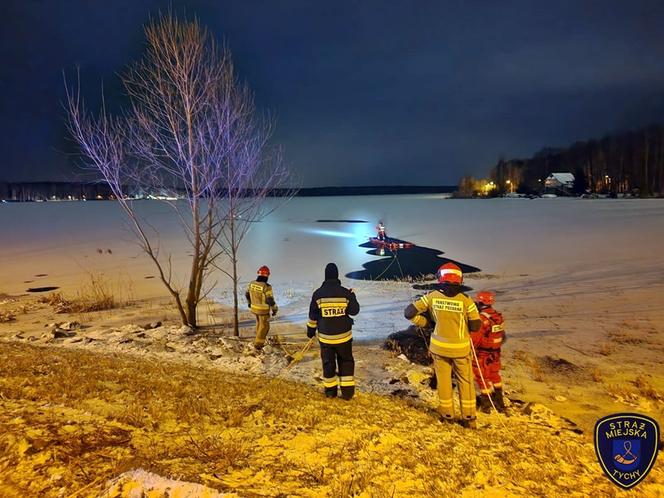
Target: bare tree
256,172
185,133
252,172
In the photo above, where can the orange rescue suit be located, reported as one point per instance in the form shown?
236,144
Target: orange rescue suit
487,343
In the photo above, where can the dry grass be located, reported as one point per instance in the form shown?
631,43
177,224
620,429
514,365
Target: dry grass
393,347
537,373
621,337
597,375
479,275
10,308
97,295
69,417
646,388
640,388
535,366
606,349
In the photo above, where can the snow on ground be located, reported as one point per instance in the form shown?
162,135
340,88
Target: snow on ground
577,280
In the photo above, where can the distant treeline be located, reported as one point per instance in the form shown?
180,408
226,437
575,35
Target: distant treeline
631,162
38,191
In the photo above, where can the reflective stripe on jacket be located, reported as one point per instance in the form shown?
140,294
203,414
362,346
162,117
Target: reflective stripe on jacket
450,338
260,297
492,333
329,312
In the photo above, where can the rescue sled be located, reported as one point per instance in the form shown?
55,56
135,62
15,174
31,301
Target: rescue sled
391,244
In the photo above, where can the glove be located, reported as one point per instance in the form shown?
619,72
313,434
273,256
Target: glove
419,321
311,332
275,310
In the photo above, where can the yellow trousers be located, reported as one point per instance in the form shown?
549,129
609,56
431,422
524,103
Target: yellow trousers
262,328
463,371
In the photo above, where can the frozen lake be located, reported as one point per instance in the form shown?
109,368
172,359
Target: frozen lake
544,244
498,236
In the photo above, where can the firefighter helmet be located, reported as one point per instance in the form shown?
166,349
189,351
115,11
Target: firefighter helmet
450,273
486,297
263,271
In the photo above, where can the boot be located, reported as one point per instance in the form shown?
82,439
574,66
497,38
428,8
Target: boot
468,423
444,419
433,381
484,403
331,392
347,392
497,398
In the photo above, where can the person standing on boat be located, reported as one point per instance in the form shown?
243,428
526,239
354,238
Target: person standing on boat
381,230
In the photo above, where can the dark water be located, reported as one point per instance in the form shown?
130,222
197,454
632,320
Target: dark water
342,221
417,262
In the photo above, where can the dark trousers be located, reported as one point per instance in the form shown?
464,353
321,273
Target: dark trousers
338,368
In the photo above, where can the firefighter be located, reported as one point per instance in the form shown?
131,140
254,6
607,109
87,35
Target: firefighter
330,313
487,343
381,231
261,301
454,315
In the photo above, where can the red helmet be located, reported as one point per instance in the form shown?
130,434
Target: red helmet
451,273
264,271
486,297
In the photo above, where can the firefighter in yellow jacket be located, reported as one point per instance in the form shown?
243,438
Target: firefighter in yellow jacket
455,316
261,302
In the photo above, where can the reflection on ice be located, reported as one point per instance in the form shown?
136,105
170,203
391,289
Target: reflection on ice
327,233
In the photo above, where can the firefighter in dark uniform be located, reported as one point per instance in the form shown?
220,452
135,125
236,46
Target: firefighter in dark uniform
455,316
261,301
330,313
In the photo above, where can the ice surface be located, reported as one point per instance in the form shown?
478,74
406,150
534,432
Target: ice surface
498,236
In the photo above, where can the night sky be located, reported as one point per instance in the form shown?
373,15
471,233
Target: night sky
365,92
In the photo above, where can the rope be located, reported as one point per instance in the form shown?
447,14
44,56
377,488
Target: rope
300,354
387,268
472,348
400,269
394,258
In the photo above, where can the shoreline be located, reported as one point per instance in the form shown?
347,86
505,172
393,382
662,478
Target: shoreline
551,385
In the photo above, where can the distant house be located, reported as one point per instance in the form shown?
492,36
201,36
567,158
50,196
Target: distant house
563,181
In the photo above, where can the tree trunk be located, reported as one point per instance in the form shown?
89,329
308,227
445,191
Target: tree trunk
645,188
236,325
